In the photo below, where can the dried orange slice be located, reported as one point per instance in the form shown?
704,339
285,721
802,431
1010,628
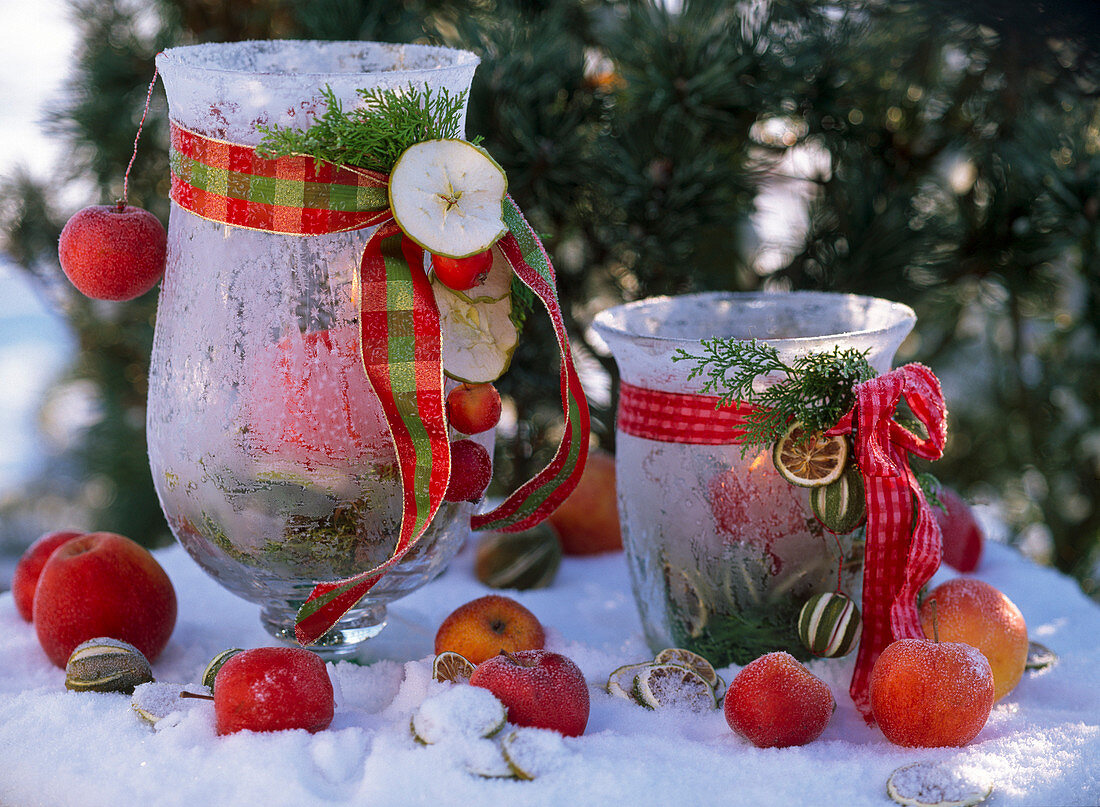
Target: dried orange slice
693,661
453,667
809,460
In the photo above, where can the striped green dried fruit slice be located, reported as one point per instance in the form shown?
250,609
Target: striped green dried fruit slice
459,713
1039,656
661,686
106,665
686,658
532,753
211,671
929,784
841,506
621,682
518,560
829,625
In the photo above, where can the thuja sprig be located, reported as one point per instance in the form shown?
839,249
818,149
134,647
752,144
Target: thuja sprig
373,134
814,389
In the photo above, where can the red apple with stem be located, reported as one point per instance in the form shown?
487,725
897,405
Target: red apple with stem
272,689
113,252
462,274
103,584
473,408
931,694
25,578
539,688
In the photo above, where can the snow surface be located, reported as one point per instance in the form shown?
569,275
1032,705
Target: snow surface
1041,745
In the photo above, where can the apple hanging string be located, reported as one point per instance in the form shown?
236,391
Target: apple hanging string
144,114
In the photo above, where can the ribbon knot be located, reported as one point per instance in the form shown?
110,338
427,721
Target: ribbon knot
902,552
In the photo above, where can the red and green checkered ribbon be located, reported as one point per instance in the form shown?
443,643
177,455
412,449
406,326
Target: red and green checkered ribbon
400,338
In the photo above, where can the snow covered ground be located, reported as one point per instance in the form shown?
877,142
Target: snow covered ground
1041,745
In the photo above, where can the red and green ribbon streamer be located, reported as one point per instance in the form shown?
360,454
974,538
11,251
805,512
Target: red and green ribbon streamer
400,338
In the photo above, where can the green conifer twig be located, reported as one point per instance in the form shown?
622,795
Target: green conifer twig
373,134
815,389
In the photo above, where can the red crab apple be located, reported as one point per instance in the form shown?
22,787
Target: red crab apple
471,471
271,689
931,694
25,578
539,688
113,252
775,702
962,537
462,274
103,584
473,408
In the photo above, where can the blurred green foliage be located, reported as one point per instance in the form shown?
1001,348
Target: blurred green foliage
943,155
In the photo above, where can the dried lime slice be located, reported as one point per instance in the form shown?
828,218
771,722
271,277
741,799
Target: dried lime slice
664,685
621,682
1039,656
686,603
533,752
809,460
453,667
927,784
459,713
485,758
686,658
446,195
155,702
497,283
478,338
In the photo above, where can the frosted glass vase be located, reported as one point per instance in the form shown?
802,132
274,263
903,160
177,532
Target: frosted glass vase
269,451
722,551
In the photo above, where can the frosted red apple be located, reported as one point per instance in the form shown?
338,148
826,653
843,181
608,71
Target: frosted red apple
471,471
25,578
931,694
103,584
539,688
775,702
473,408
273,689
113,252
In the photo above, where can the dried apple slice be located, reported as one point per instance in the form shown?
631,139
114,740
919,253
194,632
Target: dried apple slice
446,195
478,338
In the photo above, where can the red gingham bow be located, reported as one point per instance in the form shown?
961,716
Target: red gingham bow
897,561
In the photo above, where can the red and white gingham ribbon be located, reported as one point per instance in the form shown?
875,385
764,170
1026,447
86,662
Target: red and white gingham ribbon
897,561
676,417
